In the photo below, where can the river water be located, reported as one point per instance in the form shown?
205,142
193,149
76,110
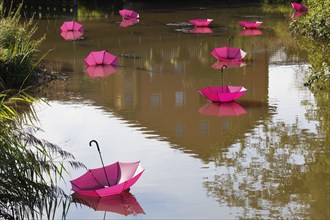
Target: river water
262,156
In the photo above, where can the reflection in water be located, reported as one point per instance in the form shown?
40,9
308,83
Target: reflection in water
127,23
100,70
222,109
201,30
123,204
251,32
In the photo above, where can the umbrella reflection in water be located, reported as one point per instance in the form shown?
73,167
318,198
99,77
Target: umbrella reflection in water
124,203
101,71
250,32
201,30
222,109
128,22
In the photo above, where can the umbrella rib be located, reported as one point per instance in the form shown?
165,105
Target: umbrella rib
95,178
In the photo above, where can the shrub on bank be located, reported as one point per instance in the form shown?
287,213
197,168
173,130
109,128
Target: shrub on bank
18,62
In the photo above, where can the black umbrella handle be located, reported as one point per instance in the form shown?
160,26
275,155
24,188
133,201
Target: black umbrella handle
98,148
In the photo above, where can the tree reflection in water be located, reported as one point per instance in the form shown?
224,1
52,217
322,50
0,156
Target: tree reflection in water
283,173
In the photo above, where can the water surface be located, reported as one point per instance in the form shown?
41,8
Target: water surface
256,158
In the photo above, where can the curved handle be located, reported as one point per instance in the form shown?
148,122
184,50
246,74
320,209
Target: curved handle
223,67
97,145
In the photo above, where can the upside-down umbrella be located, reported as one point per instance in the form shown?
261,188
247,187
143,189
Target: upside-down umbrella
124,203
202,22
219,64
128,14
71,35
201,30
100,70
71,26
128,22
250,24
108,180
226,53
298,7
102,57
250,32
222,109
222,93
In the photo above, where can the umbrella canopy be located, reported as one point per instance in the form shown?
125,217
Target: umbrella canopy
101,58
128,22
202,22
250,24
222,109
250,32
124,203
228,54
128,14
201,30
71,35
71,26
101,71
121,176
219,64
222,93
298,7
297,14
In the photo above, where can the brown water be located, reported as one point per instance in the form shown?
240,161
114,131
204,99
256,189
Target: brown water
267,161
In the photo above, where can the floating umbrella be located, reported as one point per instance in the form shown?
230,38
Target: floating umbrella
201,30
298,7
223,93
222,109
250,24
124,203
100,70
72,26
228,53
128,22
101,58
108,180
71,35
220,64
203,22
250,32
128,14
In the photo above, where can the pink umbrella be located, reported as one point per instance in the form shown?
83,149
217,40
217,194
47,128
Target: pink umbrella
297,14
298,7
201,30
128,14
107,180
124,203
228,53
71,35
219,64
222,109
250,24
72,26
128,22
100,70
222,93
250,32
203,22
101,58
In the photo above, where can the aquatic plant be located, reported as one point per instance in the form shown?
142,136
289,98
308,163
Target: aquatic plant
18,49
30,168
